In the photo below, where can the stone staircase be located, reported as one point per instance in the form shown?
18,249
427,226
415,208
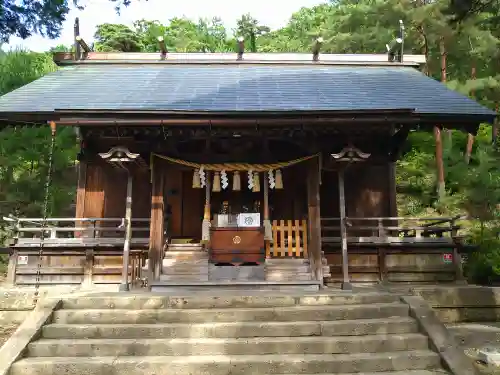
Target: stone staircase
339,333
288,269
185,262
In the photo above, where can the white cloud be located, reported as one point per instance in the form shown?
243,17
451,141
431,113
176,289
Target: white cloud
273,14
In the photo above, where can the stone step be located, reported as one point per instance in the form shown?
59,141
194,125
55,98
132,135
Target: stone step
227,364
186,255
226,346
295,313
288,268
140,301
288,276
186,277
184,247
234,287
183,269
406,372
173,262
360,327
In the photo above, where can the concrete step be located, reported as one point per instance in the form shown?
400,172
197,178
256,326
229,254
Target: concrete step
280,276
184,247
234,286
361,327
186,269
226,346
172,262
296,313
406,372
141,301
187,277
185,255
227,364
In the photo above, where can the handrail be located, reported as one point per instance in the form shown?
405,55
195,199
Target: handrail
369,229
387,218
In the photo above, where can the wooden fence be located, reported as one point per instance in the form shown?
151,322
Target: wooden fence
289,239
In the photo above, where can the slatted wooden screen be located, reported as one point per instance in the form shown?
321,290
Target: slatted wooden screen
289,239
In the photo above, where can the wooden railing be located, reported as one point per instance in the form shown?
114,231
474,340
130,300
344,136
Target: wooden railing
289,239
84,232
373,230
75,251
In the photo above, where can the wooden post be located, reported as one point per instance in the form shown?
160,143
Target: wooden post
313,202
156,234
268,229
205,226
80,194
346,285
128,234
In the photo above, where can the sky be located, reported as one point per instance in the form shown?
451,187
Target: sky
102,11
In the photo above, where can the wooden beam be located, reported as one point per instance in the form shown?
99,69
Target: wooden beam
313,203
80,193
156,234
124,286
346,285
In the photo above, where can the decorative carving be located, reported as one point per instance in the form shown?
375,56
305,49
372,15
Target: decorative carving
351,154
236,240
119,156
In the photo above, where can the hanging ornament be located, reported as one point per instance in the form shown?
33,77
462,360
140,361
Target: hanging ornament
270,176
196,179
203,177
224,180
216,182
256,182
236,181
279,180
250,180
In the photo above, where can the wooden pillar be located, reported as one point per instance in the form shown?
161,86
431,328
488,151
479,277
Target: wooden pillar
313,208
124,286
80,194
393,207
346,285
156,234
268,230
205,225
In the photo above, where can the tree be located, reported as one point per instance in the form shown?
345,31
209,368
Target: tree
113,38
249,28
24,18
465,9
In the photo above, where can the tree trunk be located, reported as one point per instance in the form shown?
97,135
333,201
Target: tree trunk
442,50
470,137
439,163
441,187
425,44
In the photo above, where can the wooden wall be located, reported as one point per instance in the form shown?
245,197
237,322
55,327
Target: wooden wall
105,192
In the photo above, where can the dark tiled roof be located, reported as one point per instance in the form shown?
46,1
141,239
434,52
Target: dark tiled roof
238,88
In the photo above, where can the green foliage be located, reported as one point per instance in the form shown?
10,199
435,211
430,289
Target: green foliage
110,38
24,150
24,18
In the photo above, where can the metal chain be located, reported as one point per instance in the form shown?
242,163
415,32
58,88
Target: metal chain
48,182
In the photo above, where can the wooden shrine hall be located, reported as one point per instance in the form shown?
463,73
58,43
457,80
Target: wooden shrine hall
270,171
